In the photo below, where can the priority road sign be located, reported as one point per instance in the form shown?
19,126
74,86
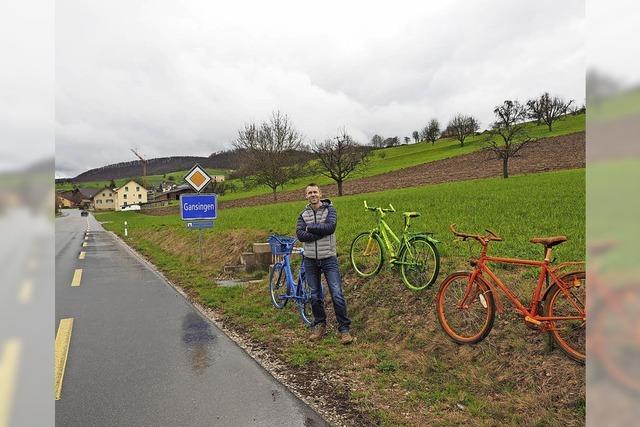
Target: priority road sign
198,206
197,178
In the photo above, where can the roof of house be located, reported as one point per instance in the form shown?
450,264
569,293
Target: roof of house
106,187
89,192
131,180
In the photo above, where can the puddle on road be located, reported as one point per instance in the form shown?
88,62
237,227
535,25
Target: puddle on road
198,340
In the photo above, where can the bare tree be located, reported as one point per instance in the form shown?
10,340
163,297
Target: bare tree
508,133
431,132
546,109
391,141
339,157
377,141
268,150
407,139
462,126
416,136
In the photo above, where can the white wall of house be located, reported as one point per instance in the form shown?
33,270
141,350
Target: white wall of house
130,193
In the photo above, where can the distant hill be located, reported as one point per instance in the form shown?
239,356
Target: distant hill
159,166
230,159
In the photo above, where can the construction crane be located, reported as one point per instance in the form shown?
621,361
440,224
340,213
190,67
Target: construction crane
144,167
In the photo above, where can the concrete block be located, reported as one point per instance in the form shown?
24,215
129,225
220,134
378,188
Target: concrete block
248,259
260,248
263,258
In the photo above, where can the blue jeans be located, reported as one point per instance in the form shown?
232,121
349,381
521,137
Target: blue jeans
329,266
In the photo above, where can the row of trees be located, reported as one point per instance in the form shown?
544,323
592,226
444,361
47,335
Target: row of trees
273,152
545,109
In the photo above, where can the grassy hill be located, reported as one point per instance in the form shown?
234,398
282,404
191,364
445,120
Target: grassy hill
382,161
404,156
403,370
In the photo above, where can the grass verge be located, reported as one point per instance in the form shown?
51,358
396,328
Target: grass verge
402,370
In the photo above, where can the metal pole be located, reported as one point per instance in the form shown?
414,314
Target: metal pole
200,244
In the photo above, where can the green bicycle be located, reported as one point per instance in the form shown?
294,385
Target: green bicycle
415,253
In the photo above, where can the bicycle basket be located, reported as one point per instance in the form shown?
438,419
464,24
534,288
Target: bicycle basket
281,245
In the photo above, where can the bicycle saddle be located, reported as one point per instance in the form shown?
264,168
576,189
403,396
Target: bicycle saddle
549,242
411,214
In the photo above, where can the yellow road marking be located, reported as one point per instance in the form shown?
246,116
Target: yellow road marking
84,245
82,255
77,276
63,339
24,296
8,374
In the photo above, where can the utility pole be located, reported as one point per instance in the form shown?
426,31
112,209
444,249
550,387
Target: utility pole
144,167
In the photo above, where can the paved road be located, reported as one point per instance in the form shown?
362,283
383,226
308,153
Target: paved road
140,354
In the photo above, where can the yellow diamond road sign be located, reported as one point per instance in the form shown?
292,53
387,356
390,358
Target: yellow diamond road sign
197,178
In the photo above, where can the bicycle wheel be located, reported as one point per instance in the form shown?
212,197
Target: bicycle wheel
366,254
614,335
419,263
472,322
304,306
278,286
570,335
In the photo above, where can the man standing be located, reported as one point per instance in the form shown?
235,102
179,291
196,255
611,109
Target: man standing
316,229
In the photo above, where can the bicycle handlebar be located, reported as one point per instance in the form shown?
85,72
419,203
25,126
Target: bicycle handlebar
273,236
490,236
493,235
371,208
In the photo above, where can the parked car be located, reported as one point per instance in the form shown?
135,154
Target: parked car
131,208
84,213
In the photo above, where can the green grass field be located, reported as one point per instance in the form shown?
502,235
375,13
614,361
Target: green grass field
518,208
407,371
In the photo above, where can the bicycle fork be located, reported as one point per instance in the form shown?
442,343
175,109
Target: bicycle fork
369,246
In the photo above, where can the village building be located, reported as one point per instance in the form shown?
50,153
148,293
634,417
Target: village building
105,199
131,193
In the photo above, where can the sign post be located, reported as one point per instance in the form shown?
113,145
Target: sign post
198,210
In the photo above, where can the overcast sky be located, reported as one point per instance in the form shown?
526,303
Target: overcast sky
180,78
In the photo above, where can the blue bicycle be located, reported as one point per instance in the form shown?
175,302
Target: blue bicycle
282,285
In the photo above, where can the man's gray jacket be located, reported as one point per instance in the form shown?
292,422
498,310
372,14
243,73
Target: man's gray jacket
316,229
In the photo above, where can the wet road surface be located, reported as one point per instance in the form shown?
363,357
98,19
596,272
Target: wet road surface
140,354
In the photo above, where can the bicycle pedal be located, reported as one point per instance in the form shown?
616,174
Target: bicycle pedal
532,320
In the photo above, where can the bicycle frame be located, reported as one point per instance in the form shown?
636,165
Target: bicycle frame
530,314
295,290
390,239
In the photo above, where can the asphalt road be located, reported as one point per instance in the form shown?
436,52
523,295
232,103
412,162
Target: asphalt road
141,355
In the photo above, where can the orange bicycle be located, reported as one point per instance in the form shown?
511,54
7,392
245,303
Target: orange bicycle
466,301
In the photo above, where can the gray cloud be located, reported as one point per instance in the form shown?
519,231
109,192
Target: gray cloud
180,78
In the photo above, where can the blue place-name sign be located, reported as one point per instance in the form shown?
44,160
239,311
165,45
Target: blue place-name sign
198,206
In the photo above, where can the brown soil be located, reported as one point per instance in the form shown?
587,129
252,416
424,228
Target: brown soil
549,154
